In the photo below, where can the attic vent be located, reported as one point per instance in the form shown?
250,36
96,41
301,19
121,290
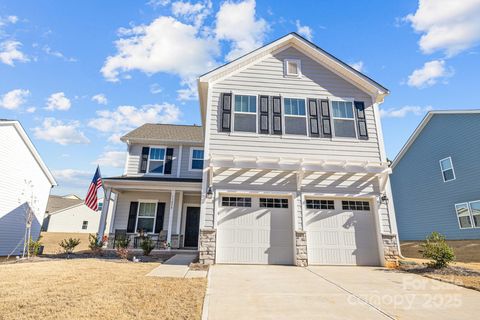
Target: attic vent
292,67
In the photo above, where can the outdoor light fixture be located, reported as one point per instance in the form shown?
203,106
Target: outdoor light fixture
384,199
209,193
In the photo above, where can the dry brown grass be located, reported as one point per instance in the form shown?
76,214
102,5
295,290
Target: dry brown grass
95,289
51,240
465,250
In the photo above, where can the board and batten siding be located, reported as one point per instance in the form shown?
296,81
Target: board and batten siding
18,164
423,201
266,78
135,153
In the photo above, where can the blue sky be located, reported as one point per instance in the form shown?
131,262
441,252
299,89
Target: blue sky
79,74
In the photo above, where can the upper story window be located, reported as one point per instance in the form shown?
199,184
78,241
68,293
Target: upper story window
343,119
245,117
293,67
295,116
446,166
294,107
246,104
156,160
468,214
196,159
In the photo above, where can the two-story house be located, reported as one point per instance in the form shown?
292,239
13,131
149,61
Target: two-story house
436,177
293,165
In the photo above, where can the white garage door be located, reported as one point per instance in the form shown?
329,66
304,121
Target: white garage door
254,230
341,232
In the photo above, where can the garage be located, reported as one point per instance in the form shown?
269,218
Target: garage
341,232
254,230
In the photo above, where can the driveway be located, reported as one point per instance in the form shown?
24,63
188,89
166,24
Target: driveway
284,292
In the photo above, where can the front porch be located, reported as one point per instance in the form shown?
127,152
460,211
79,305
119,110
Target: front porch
164,210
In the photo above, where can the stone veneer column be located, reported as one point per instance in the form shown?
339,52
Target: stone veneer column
390,247
207,245
301,257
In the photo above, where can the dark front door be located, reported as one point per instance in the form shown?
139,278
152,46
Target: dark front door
192,224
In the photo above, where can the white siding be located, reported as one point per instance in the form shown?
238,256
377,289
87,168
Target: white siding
17,165
71,220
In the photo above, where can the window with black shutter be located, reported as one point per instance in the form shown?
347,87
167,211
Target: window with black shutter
132,217
361,120
264,118
226,112
160,217
277,115
313,117
325,113
168,161
144,160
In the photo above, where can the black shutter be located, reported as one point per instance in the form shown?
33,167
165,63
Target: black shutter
226,111
277,115
313,117
264,121
361,120
168,161
160,215
325,113
144,160
132,217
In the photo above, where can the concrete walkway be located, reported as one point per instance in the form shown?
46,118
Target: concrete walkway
283,292
177,267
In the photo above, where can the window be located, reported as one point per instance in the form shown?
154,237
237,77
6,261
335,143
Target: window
294,107
236,202
292,67
356,205
343,119
273,203
84,225
146,216
447,169
295,116
156,160
320,204
468,214
196,159
100,206
246,104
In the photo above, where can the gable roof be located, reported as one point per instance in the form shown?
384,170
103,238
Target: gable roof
165,132
422,125
312,50
56,203
21,132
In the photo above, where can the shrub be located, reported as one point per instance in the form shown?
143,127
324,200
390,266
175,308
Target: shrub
147,246
94,244
121,247
69,245
34,246
437,249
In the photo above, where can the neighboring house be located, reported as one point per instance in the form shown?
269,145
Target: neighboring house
69,214
25,184
436,177
294,167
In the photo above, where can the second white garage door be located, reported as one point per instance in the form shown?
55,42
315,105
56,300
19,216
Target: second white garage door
341,232
254,230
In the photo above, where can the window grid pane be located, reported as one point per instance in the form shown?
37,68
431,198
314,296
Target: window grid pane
356,205
236,202
273,203
343,109
320,204
245,104
294,107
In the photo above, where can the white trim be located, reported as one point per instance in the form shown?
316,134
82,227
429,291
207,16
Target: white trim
164,160
442,171
179,160
299,68
179,213
170,215
140,201
190,161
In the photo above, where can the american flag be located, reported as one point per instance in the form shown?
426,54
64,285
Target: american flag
91,200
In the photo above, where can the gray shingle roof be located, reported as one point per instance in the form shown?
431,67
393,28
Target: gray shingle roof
166,132
56,203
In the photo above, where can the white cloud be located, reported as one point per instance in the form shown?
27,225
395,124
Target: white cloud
14,99
8,20
60,132
304,31
58,101
126,118
10,52
57,54
359,66
192,12
429,74
31,110
236,22
73,177
158,3
114,159
447,25
404,111
100,98
155,88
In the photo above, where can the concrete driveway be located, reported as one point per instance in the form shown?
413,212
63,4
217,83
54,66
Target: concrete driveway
283,292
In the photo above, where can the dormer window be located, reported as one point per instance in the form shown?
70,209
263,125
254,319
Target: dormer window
293,67
156,160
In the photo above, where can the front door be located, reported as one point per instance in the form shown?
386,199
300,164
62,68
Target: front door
192,224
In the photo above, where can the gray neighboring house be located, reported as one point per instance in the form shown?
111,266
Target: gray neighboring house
436,177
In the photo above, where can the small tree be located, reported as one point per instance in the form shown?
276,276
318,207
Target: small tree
437,249
121,246
94,244
34,246
69,245
147,246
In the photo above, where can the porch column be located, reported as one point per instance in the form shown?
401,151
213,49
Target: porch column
111,218
104,214
170,216
179,213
